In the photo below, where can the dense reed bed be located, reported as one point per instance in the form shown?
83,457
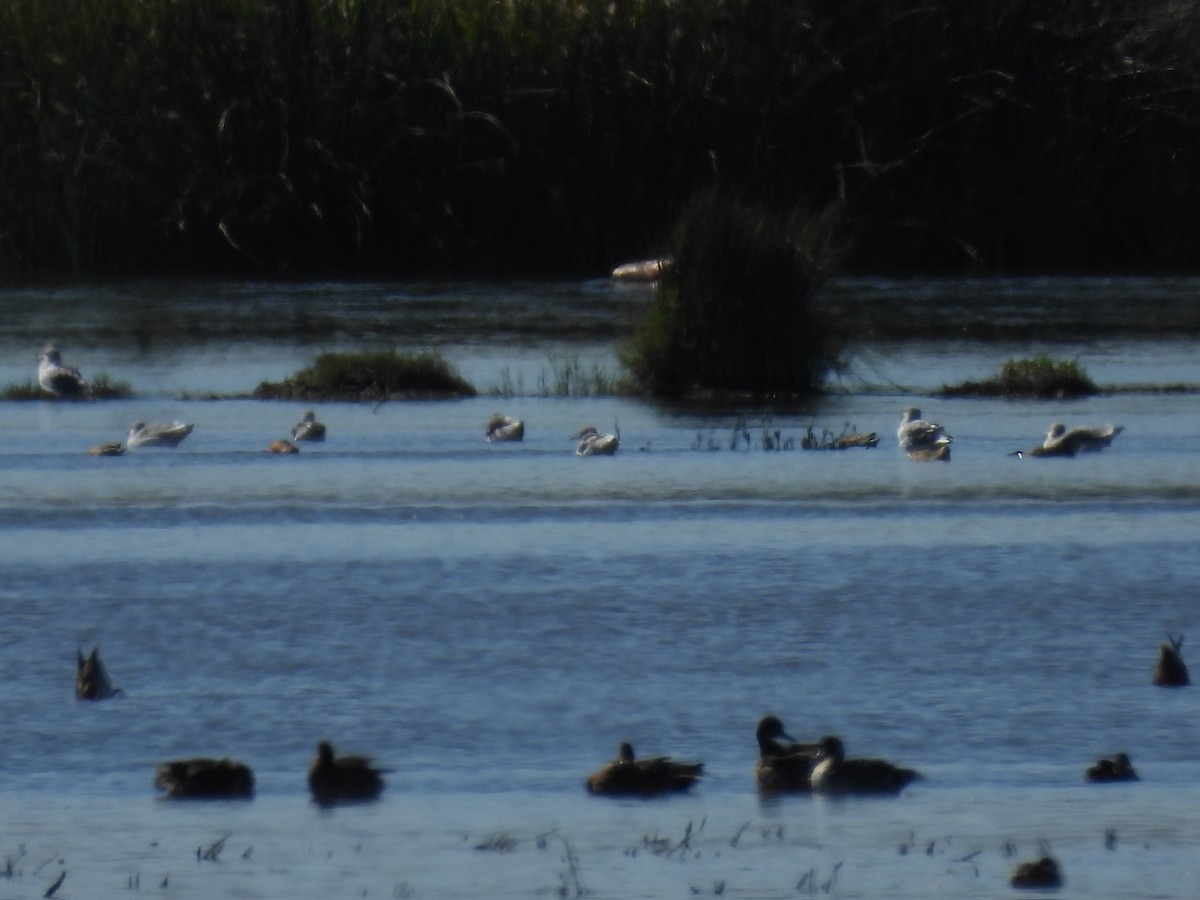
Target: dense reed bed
554,136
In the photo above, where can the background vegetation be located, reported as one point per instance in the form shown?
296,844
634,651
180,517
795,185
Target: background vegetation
555,136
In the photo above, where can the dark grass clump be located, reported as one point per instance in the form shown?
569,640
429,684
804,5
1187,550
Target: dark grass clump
1039,378
99,389
736,313
373,375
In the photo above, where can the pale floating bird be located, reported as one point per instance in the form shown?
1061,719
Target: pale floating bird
834,774
593,443
628,776
1083,439
502,428
203,778
282,446
115,448
143,435
91,678
343,778
915,433
58,379
782,766
645,270
308,428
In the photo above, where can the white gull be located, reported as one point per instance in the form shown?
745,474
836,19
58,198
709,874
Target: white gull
143,435
915,433
59,379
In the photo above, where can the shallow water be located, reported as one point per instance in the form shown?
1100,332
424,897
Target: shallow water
489,621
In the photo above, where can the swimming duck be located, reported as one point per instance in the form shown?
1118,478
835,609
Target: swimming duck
502,428
782,766
834,774
58,379
1041,874
91,678
282,446
112,449
915,433
1083,439
344,778
593,443
202,778
1170,670
626,776
941,453
308,428
1117,768
143,435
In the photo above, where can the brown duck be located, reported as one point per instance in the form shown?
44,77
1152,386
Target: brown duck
783,764
344,778
204,778
628,776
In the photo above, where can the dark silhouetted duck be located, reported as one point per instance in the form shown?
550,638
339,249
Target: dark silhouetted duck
91,678
203,778
1170,670
1042,874
626,776
593,443
834,774
501,428
342,779
1117,768
59,379
782,766
308,428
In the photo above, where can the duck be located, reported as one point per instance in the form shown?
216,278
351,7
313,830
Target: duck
205,778
57,378
282,446
940,453
91,678
642,271
834,774
628,776
782,766
115,448
915,433
333,779
143,435
1082,439
308,428
1170,670
593,443
1110,769
501,428
1041,874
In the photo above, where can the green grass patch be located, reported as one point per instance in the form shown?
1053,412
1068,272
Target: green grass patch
1038,378
371,375
737,313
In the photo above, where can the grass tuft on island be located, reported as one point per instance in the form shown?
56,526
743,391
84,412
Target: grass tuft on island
99,389
371,376
1038,378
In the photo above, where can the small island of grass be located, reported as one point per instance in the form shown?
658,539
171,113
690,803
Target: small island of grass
371,376
100,388
1039,378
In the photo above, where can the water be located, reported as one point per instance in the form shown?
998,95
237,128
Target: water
489,621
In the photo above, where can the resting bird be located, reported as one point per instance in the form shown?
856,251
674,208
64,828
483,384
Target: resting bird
834,774
345,778
143,435
501,428
593,443
915,433
59,379
1116,768
1083,439
91,678
1170,670
308,428
1043,874
204,778
782,766
626,776
110,449
282,446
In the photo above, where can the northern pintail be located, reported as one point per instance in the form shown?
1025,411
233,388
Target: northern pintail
626,775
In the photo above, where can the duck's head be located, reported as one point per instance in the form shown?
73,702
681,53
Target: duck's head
832,748
625,752
325,753
1057,430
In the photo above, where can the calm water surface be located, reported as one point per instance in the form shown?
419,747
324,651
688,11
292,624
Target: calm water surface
489,621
